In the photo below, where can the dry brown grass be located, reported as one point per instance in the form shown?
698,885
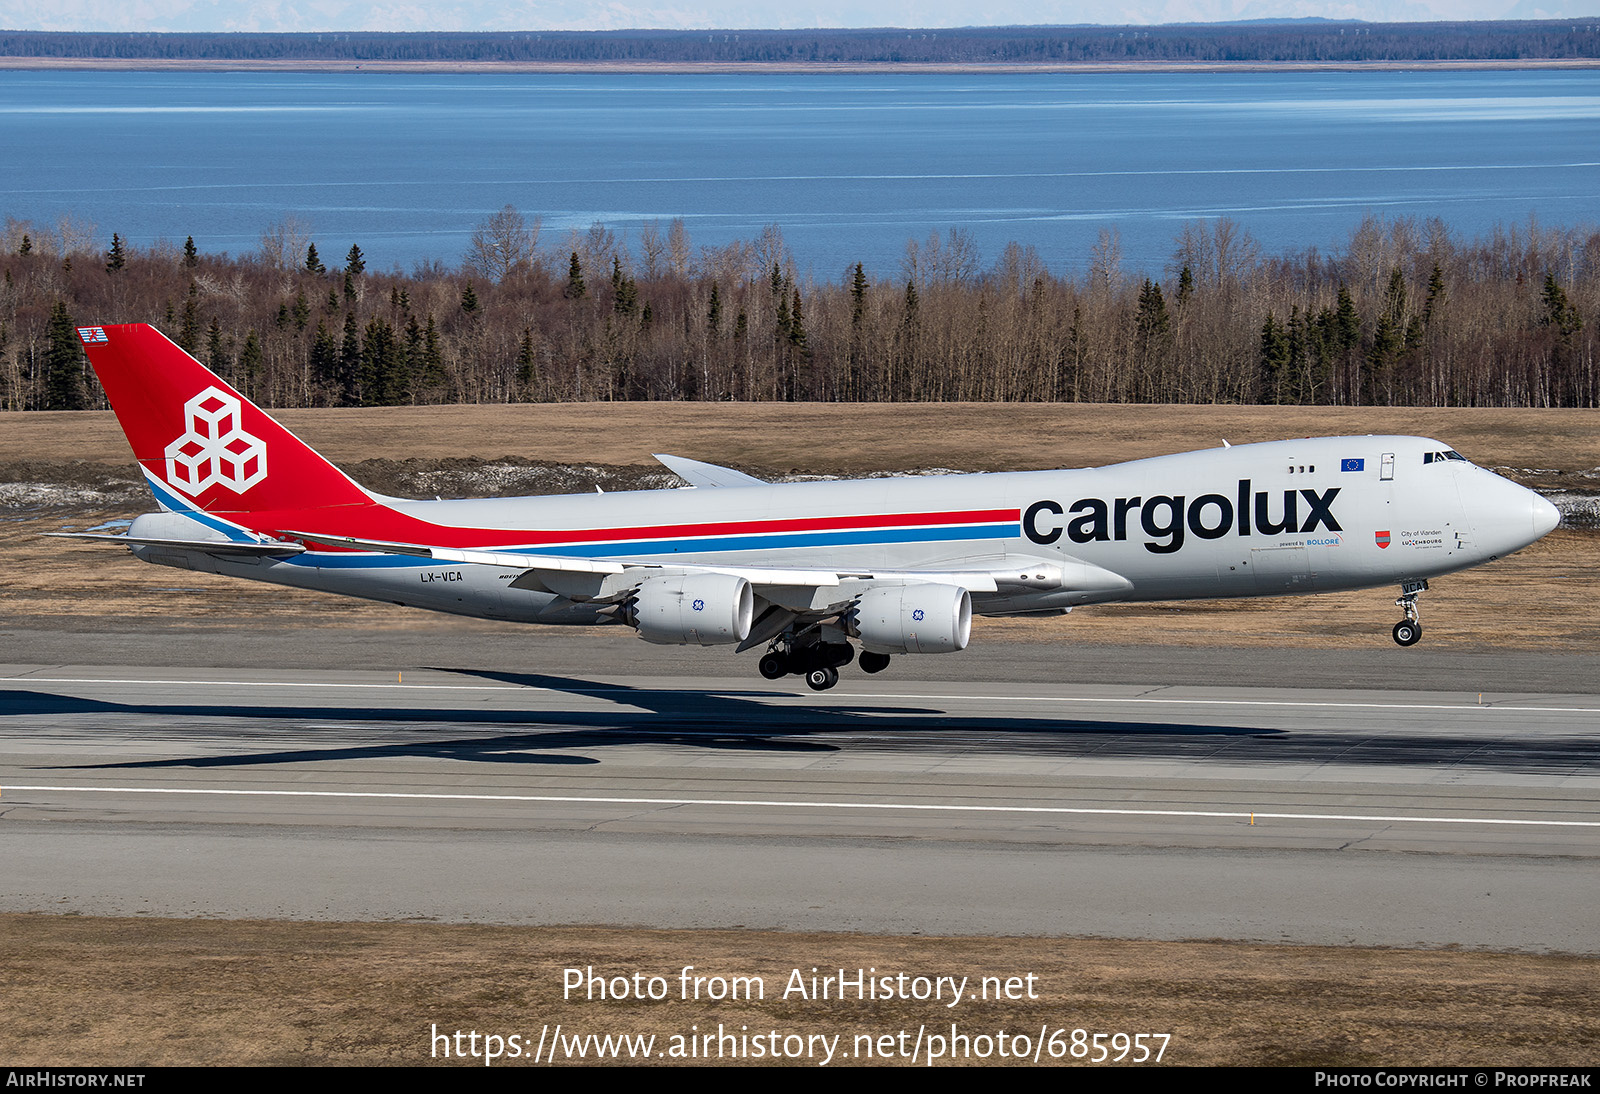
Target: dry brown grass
846,437
100,992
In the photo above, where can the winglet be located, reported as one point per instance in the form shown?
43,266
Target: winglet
707,475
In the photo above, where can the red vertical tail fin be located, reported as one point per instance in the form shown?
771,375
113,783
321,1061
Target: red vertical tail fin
200,443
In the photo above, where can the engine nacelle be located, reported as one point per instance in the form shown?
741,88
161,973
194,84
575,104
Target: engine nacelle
703,609
913,619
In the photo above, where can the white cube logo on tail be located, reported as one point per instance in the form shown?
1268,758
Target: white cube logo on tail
215,448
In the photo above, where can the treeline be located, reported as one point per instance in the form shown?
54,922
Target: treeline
1407,314
1309,40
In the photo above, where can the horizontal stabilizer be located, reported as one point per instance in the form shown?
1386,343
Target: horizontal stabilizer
210,546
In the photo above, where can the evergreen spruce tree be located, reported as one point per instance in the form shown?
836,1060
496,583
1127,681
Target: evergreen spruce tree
1185,285
1275,356
216,354
250,361
1153,324
469,300
313,263
382,380
413,351
27,246
1388,340
354,264
63,364
781,326
1416,331
527,364
1394,298
858,296
324,360
432,364
350,363
1435,295
1558,313
350,288
117,257
191,256
1347,321
797,325
189,330
714,312
302,310
1301,385
575,288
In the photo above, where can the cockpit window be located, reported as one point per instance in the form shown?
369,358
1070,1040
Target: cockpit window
1447,454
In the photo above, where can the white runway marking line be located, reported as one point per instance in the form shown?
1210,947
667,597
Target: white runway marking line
1316,704
774,804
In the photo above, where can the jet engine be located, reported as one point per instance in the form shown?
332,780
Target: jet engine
913,619
703,609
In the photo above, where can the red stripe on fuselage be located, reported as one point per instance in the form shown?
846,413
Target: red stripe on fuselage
379,522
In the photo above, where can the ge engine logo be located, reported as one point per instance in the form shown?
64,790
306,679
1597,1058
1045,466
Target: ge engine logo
215,448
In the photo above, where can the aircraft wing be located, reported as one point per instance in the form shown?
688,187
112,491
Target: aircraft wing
696,473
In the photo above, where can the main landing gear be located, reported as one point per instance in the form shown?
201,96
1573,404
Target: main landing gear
818,662
1409,630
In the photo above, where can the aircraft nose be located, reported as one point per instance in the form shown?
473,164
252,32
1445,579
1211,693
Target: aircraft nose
1504,516
1545,516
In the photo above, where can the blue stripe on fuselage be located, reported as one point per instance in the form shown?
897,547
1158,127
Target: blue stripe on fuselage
168,500
656,549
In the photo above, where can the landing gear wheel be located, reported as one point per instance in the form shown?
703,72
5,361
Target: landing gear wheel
822,679
774,666
1406,632
873,662
1409,629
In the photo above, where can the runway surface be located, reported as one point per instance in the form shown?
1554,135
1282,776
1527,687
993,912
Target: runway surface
974,804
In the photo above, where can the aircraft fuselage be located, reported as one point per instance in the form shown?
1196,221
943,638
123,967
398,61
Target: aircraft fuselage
1282,517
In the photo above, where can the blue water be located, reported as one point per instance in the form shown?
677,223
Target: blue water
850,167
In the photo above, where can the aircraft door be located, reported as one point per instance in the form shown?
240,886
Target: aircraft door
1386,466
1283,570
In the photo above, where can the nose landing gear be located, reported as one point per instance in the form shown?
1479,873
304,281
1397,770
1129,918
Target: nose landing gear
1408,631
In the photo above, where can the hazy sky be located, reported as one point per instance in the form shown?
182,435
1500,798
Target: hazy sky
305,15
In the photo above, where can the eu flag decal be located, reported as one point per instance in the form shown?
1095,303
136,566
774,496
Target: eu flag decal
1352,465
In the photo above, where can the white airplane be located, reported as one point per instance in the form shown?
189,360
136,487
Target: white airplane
805,569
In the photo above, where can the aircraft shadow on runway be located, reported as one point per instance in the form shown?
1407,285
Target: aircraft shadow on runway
749,721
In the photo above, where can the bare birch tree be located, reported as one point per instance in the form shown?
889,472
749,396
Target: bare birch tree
501,243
